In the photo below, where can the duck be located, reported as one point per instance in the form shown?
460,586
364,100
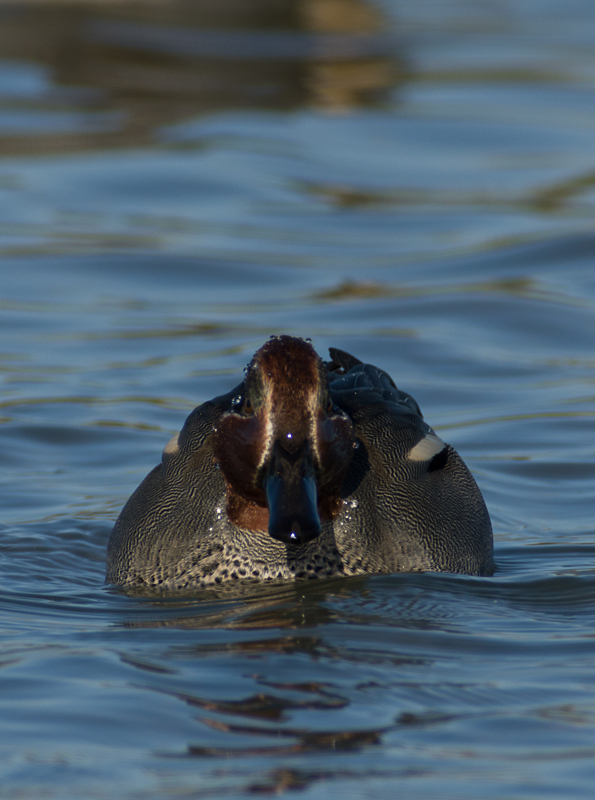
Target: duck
307,469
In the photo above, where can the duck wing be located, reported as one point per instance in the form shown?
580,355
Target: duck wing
420,506
355,384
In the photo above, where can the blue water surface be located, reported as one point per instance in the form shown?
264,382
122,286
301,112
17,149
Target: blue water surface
411,182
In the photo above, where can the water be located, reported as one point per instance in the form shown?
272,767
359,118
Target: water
409,181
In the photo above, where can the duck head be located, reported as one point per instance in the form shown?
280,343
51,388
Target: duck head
284,448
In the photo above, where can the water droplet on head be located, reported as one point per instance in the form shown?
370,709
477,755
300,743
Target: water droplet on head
290,435
245,370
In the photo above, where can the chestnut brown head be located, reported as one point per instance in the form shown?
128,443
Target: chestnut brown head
284,448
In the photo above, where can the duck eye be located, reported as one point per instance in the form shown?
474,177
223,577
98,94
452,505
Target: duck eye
248,407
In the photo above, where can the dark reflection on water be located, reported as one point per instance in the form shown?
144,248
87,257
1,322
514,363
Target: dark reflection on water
409,181
128,69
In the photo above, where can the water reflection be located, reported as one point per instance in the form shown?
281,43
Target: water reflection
307,742
290,614
111,74
249,606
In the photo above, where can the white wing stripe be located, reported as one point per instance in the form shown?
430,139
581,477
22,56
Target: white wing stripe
427,448
172,446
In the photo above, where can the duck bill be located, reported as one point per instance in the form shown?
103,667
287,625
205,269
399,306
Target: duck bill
292,496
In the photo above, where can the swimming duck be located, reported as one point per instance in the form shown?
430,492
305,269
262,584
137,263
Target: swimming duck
306,469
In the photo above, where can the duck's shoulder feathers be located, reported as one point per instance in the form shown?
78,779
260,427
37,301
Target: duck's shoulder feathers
366,393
